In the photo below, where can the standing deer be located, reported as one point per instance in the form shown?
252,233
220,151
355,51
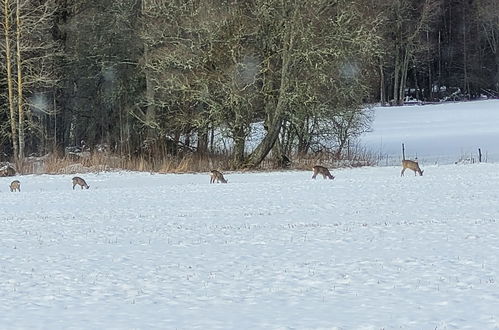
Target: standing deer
15,185
79,181
322,170
217,176
412,165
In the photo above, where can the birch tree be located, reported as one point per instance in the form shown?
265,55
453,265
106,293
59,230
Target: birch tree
9,74
29,63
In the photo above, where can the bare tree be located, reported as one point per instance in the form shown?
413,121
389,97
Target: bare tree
200,70
406,22
314,55
31,55
7,48
488,16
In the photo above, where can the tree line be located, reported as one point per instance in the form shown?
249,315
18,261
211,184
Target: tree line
162,78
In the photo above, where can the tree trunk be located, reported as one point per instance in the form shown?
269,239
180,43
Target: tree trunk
439,79
382,96
10,89
430,74
288,138
151,108
20,104
403,77
54,104
465,57
416,85
396,76
212,139
202,144
238,156
277,117
263,149
302,132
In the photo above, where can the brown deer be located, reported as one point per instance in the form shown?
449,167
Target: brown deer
322,170
79,181
217,176
412,165
15,185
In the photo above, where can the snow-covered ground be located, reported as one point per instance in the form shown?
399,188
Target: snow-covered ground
369,250
442,133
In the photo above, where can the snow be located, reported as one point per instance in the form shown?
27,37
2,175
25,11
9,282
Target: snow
442,133
369,250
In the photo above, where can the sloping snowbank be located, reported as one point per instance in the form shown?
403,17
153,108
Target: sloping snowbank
441,133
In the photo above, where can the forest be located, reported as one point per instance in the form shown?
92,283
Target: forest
152,82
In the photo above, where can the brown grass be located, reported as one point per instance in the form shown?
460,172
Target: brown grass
53,164
190,163
355,157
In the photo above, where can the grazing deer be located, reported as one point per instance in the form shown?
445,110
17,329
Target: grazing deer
412,165
217,176
322,170
15,185
79,181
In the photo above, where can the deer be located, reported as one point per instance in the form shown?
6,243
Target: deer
217,176
412,165
79,181
322,170
15,185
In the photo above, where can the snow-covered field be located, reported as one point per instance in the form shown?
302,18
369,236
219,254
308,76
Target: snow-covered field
441,133
369,250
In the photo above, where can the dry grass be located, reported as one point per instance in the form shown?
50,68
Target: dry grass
190,163
355,157
193,163
53,164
